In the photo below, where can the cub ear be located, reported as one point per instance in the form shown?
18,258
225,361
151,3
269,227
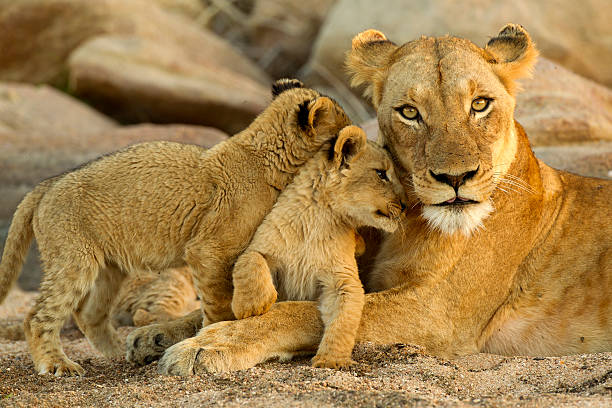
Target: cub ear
285,84
317,114
349,145
514,54
367,60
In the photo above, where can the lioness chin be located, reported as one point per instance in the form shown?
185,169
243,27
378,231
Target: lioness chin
530,275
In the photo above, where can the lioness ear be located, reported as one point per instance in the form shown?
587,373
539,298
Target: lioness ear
514,54
349,145
367,60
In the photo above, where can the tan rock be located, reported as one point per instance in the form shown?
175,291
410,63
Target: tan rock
136,79
132,53
47,114
281,32
574,34
560,107
37,36
594,160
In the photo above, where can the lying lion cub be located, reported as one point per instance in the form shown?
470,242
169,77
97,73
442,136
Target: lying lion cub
153,206
307,244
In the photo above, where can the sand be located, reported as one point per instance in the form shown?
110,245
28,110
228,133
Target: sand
385,376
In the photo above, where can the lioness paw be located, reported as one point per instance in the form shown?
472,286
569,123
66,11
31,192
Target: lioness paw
326,361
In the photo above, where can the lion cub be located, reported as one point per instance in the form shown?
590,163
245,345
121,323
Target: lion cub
306,245
154,206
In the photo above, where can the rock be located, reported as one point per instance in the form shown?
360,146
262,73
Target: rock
190,9
560,107
574,34
139,80
47,114
37,38
594,160
281,33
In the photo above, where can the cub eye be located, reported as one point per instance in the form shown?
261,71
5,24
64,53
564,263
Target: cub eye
480,104
382,174
408,112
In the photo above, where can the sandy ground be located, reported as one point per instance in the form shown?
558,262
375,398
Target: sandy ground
385,376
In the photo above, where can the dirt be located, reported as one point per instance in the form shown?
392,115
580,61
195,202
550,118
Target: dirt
384,376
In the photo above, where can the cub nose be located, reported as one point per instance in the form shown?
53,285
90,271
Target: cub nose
455,181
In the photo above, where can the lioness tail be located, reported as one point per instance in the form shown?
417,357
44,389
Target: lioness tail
19,237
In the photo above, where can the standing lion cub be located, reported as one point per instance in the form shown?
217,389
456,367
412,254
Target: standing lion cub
306,245
153,206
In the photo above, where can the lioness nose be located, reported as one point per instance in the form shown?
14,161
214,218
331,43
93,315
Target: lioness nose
455,181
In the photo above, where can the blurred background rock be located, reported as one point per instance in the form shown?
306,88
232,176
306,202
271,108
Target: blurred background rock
81,78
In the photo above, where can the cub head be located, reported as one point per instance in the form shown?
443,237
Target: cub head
365,189
304,117
445,112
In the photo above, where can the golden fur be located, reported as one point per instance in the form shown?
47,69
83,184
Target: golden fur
305,247
531,275
155,297
153,206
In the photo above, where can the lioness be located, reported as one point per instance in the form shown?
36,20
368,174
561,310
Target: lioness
153,206
305,247
498,252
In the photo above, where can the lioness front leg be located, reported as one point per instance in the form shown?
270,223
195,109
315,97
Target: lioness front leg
288,329
254,291
147,344
341,306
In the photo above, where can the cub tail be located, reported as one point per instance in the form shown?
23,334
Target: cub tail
19,237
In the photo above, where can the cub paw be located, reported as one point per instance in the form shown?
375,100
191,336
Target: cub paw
60,367
326,361
146,344
253,304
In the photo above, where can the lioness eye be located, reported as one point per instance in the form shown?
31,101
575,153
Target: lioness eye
480,104
409,112
382,174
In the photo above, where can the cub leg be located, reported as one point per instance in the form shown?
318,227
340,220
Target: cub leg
93,314
211,272
341,305
254,291
61,291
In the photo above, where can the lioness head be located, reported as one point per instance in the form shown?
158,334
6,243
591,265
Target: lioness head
364,187
445,110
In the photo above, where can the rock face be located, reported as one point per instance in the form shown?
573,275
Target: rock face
136,80
282,32
38,37
560,107
575,35
594,160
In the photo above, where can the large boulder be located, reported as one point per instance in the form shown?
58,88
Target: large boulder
574,34
135,79
594,160
560,107
37,38
281,33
